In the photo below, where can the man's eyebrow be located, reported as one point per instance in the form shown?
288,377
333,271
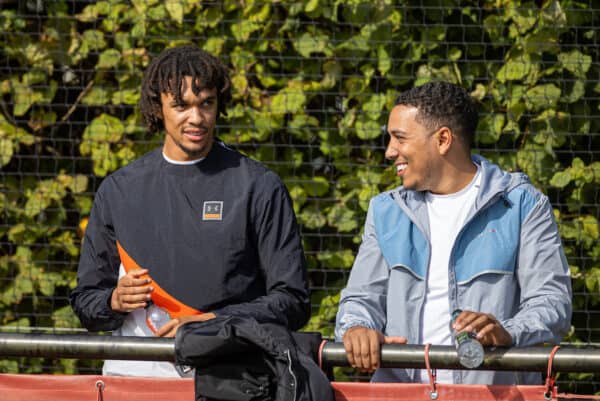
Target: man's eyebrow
397,132
201,99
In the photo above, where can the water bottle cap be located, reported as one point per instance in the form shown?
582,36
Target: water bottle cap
456,313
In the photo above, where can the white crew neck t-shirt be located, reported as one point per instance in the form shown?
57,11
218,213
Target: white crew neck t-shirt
447,214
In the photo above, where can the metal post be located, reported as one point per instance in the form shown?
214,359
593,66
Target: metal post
567,359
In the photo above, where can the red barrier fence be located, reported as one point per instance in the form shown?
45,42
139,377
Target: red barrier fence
22,387
113,388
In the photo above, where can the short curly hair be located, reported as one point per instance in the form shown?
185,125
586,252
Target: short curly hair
167,71
442,104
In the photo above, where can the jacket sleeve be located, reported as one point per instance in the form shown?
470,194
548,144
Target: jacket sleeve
97,273
281,259
363,301
543,273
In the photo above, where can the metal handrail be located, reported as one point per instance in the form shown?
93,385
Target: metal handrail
567,359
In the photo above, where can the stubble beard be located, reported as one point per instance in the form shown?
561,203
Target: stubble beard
192,152
195,152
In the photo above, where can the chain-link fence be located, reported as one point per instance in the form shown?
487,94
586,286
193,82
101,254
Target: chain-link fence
313,83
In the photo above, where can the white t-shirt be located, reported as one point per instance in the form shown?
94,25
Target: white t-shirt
135,325
447,214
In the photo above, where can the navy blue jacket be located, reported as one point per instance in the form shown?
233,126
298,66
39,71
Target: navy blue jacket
219,236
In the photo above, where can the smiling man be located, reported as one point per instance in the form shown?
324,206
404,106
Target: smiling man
460,233
193,228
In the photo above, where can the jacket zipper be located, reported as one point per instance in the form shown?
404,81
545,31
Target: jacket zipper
413,219
294,383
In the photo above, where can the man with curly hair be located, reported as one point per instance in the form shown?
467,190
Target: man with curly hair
192,226
460,234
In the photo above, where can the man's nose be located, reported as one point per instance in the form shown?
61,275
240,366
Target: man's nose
391,153
195,116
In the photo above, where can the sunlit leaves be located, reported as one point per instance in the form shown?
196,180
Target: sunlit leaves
490,128
541,97
105,128
52,191
109,58
312,217
308,44
97,139
29,90
11,137
175,9
367,128
6,151
288,100
578,173
342,218
514,69
96,97
313,84
575,62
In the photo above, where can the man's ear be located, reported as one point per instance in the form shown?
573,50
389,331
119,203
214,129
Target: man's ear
445,140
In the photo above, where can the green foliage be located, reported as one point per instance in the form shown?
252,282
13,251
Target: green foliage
313,83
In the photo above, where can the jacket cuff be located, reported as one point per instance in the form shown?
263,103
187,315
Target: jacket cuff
341,330
514,334
118,316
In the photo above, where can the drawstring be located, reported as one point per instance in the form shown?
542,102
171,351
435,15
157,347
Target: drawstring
433,394
100,387
550,379
320,353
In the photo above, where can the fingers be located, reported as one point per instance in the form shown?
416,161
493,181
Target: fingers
363,347
132,291
466,321
394,340
204,317
168,329
487,328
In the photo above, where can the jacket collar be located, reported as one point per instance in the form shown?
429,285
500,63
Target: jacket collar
495,183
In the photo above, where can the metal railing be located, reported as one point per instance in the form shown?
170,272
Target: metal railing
566,359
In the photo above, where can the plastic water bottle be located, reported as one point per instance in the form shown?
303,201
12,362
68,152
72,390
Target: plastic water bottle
156,317
470,352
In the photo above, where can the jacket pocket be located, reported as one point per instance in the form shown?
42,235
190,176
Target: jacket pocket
491,251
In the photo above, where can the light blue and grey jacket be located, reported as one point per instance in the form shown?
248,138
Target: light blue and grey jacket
507,260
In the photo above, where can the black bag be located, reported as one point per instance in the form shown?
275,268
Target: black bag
239,359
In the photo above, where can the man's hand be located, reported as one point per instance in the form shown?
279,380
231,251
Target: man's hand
363,347
170,328
488,329
132,292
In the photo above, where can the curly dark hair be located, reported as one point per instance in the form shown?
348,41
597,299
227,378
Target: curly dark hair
166,72
442,104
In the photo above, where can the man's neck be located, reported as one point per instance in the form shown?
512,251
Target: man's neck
456,177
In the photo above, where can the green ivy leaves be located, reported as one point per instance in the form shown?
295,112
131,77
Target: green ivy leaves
313,84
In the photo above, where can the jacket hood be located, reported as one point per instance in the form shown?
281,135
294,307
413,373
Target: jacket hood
494,180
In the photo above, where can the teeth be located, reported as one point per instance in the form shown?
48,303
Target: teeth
400,167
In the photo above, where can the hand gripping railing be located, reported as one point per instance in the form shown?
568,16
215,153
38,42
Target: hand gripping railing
567,358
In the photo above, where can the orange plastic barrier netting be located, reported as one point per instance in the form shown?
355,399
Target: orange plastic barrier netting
93,388
113,388
445,392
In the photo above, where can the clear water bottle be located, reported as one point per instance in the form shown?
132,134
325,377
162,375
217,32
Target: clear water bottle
156,317
470,352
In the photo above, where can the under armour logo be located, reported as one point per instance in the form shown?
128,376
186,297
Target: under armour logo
212,210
